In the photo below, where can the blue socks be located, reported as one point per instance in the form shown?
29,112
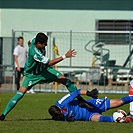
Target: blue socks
127,99
106,119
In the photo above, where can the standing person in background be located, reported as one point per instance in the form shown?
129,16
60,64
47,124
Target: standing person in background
20,57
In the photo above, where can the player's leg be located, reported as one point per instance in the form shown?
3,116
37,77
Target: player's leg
101,105
27,82
50,75
14,100
119,102
101,118
114,103
22,71
17,78
67,82
71,87
54,75
108,104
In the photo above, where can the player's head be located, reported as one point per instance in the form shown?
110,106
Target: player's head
55,112
41,40
20,40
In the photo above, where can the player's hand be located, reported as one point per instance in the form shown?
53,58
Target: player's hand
71,53
69,118
93,93
18,69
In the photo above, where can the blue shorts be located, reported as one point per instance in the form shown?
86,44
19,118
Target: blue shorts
101,105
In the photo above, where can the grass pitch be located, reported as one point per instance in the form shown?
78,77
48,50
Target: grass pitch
31,116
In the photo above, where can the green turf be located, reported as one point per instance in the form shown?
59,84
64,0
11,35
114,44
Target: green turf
31,116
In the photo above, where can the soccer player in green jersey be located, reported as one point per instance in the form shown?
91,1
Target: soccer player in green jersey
38,70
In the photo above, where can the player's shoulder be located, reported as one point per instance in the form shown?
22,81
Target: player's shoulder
59,104
16,47
32,41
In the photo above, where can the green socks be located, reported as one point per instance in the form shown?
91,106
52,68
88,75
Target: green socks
70,86
13,102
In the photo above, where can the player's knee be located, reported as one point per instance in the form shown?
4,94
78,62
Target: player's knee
118,102
22,89
95,117
61,79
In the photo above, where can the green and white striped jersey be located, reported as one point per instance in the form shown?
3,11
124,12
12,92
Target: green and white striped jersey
37,60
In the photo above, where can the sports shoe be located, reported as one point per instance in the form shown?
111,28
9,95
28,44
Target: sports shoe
130,116
2,117
128,119
30,91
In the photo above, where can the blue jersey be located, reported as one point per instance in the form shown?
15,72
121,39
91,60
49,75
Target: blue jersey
69,106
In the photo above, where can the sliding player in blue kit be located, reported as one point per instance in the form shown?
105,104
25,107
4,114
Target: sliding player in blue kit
67,109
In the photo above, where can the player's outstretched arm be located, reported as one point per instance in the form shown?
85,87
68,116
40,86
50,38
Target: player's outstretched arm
70,97
69,54
93,93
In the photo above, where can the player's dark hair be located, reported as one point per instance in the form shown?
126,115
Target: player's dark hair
20,38
41,38
55,112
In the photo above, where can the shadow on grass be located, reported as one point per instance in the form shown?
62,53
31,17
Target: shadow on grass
29,119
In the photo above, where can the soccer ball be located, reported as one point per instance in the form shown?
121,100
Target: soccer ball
119,116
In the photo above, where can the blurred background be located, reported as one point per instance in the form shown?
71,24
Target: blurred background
100,31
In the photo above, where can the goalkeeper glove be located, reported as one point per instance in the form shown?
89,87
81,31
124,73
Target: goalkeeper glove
69,117
93,93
